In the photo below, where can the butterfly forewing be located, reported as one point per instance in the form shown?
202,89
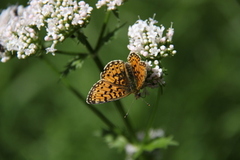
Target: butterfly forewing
112,86
115,72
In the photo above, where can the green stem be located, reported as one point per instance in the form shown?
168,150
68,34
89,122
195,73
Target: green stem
125,119
104,26
80,97
98,62
70,53
92,51
153,115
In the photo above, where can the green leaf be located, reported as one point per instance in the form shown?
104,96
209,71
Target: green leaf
162,142
116,13
111,34
74,64
118,142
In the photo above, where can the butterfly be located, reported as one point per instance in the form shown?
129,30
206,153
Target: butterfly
118,80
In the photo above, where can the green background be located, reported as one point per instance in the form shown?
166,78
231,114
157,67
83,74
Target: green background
40,119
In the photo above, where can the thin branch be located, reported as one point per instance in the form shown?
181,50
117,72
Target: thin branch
152,115
79,95
125,119
70,53
104,26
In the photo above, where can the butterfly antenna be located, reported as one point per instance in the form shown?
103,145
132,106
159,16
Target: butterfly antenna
148,104
128,110
142,95
126,114
139,95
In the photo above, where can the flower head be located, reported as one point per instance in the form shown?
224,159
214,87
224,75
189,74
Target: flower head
111,4
20,26
148,40
153,133
16,35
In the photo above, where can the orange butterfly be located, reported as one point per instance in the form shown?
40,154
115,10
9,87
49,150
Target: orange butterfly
118,80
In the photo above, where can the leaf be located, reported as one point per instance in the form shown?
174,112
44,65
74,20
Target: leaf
119,142
116,13
162,142
74,64
111,34
113,138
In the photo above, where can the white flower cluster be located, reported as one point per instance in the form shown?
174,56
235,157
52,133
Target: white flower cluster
111,4
153,133
20,26
16,34
132,149
147,39
61,18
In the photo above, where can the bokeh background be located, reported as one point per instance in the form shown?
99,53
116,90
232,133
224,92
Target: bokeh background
40,119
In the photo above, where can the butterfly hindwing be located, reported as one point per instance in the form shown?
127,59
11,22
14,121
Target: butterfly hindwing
139,69
105,91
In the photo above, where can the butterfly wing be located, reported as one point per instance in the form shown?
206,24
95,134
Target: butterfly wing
104,91
139,69
115,72
113,85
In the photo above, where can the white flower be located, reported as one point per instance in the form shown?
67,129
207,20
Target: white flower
155,133
149,41
3,55
170,33
111,4
52,49
130,151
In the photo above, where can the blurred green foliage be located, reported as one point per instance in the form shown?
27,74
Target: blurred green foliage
200,106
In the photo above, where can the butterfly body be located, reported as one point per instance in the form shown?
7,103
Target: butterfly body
118,80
